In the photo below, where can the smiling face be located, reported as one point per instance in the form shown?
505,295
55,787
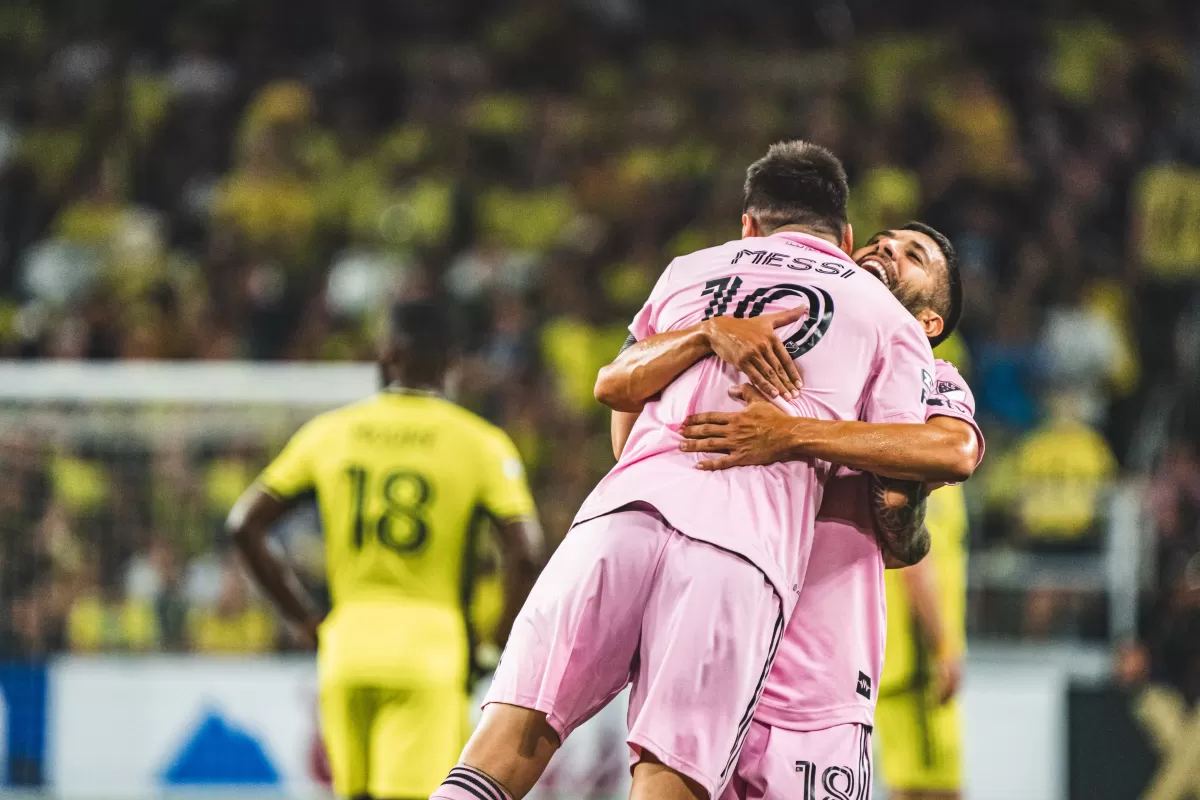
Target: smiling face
912,266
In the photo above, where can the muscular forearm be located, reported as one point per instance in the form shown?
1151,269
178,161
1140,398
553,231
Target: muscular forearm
646,368
911,452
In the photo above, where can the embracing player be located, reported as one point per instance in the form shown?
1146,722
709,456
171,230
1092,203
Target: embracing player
812,728
679,580
400,479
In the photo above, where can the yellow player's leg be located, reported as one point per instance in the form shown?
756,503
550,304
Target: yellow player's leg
345,724
920,751
416,739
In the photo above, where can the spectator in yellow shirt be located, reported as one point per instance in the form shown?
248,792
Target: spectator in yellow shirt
236,624
1055,478
267,202
102,619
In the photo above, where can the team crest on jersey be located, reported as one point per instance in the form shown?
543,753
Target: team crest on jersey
951,390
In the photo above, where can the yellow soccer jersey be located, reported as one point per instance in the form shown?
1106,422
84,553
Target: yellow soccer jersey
1166,203
399,479
905,660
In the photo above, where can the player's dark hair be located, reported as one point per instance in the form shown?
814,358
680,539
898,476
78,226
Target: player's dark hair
421,342
947,299
797,183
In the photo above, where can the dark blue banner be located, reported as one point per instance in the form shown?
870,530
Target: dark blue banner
23,692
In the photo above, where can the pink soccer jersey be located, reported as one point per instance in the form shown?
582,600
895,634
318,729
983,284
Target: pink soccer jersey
827,669
862,357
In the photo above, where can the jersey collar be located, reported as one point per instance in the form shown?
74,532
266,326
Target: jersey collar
815,242
396,390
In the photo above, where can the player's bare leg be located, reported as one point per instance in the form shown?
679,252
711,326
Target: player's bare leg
509,750
653,780
513,745
923,794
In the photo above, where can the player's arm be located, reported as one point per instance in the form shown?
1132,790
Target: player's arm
622,422
249,524
921,584
647,366
672,362
945,449
521,552
899,510
506,499
288,477
619,429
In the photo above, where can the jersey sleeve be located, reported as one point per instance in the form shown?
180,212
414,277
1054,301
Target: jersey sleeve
505,491
903,381
952,397
291,473
645,322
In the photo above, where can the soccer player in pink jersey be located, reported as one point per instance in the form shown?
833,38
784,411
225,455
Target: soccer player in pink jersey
811,730
679,580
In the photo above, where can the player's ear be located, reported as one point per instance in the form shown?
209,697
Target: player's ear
931,322
749,227
848,239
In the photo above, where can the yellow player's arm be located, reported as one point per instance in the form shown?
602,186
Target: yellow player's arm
506,499
921,583
522,549
248,524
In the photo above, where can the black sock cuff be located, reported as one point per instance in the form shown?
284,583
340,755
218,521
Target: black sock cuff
479,784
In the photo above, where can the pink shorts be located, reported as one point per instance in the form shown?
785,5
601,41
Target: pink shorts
833,763
626,598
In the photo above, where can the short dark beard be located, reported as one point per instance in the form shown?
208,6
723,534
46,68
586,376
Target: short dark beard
914,300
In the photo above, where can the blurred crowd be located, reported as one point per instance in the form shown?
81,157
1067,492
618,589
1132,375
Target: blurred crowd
112,539
216,180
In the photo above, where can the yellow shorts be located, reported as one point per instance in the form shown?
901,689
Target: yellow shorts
391,743
920,742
